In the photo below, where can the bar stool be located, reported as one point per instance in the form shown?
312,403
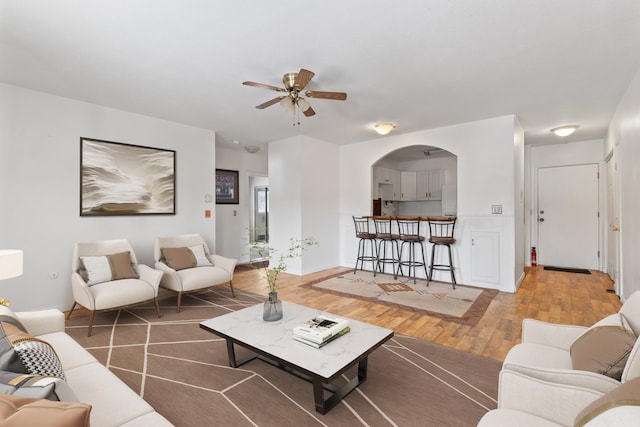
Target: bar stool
409,234
386,239
441,234
365,237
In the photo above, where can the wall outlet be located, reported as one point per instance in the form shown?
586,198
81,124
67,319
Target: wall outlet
496,209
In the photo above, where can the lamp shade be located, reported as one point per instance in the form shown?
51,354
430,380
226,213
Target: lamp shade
10,263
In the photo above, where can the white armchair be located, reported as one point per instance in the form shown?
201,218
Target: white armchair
188,265
546,347
544,380
106,276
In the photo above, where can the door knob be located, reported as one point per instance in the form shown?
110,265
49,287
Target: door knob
541,212
541,219
615,228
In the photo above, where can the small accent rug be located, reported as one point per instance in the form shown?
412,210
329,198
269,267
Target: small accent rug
183,372
464,304
567,269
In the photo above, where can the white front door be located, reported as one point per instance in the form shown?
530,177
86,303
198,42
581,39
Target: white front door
568,216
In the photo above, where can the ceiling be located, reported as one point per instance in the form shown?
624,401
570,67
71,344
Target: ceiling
419,63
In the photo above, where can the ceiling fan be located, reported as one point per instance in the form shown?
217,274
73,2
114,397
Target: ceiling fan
294,84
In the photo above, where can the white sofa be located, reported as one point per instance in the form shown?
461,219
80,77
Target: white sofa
113,402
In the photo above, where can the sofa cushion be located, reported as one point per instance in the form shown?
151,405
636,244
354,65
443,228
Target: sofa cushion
114,403
628,394
36,386
100,269
16,411
23,353
604,348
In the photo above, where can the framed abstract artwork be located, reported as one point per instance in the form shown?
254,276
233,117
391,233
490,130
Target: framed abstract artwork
227,187
126,179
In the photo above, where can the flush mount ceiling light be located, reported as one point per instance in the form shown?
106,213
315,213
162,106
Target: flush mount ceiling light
251,149
564,130
384,128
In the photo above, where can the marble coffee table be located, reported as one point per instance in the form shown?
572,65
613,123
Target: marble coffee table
273,342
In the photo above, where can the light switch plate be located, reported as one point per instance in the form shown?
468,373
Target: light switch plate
496,209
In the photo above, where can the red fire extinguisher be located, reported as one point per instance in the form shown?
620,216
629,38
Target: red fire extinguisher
534,257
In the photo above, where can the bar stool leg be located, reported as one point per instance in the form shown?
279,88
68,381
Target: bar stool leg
453,277
433,255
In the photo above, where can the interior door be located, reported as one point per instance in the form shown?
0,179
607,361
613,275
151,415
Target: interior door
568,216
261,214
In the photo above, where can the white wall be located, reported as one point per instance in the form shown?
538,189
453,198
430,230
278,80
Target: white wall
624,138
485,152
303,185
40,182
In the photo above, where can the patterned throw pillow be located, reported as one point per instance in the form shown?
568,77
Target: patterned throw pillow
23,353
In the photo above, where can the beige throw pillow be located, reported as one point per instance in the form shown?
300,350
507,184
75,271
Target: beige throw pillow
179,258
121,267
604,348
23,411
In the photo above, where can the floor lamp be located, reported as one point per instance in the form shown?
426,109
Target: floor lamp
10,266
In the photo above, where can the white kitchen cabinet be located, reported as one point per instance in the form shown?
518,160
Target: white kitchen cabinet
485,256
386,176
429,184
407,185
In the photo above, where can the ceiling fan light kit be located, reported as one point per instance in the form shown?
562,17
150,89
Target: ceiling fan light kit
564,130
294,84
384,128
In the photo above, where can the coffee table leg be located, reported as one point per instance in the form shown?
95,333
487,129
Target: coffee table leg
231,353
323,406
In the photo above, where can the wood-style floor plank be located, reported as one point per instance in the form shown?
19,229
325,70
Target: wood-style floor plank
570,298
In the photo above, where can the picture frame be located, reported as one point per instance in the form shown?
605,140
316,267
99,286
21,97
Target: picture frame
227,187
126,179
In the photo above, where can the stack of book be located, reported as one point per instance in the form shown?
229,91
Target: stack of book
321,330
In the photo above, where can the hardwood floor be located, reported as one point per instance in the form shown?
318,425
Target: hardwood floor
558,297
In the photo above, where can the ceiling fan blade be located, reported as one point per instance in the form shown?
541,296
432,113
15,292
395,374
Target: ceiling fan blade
309,112
264,86
269,103
303,78
337,96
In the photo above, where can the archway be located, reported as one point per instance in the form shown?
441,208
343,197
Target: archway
415,180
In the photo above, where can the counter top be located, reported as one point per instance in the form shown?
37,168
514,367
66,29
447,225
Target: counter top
421,218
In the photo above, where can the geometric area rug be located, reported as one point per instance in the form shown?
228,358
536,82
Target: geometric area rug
464,304
183,372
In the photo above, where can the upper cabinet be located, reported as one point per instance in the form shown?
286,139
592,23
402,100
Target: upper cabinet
407,185
386,183
421,185
429,184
